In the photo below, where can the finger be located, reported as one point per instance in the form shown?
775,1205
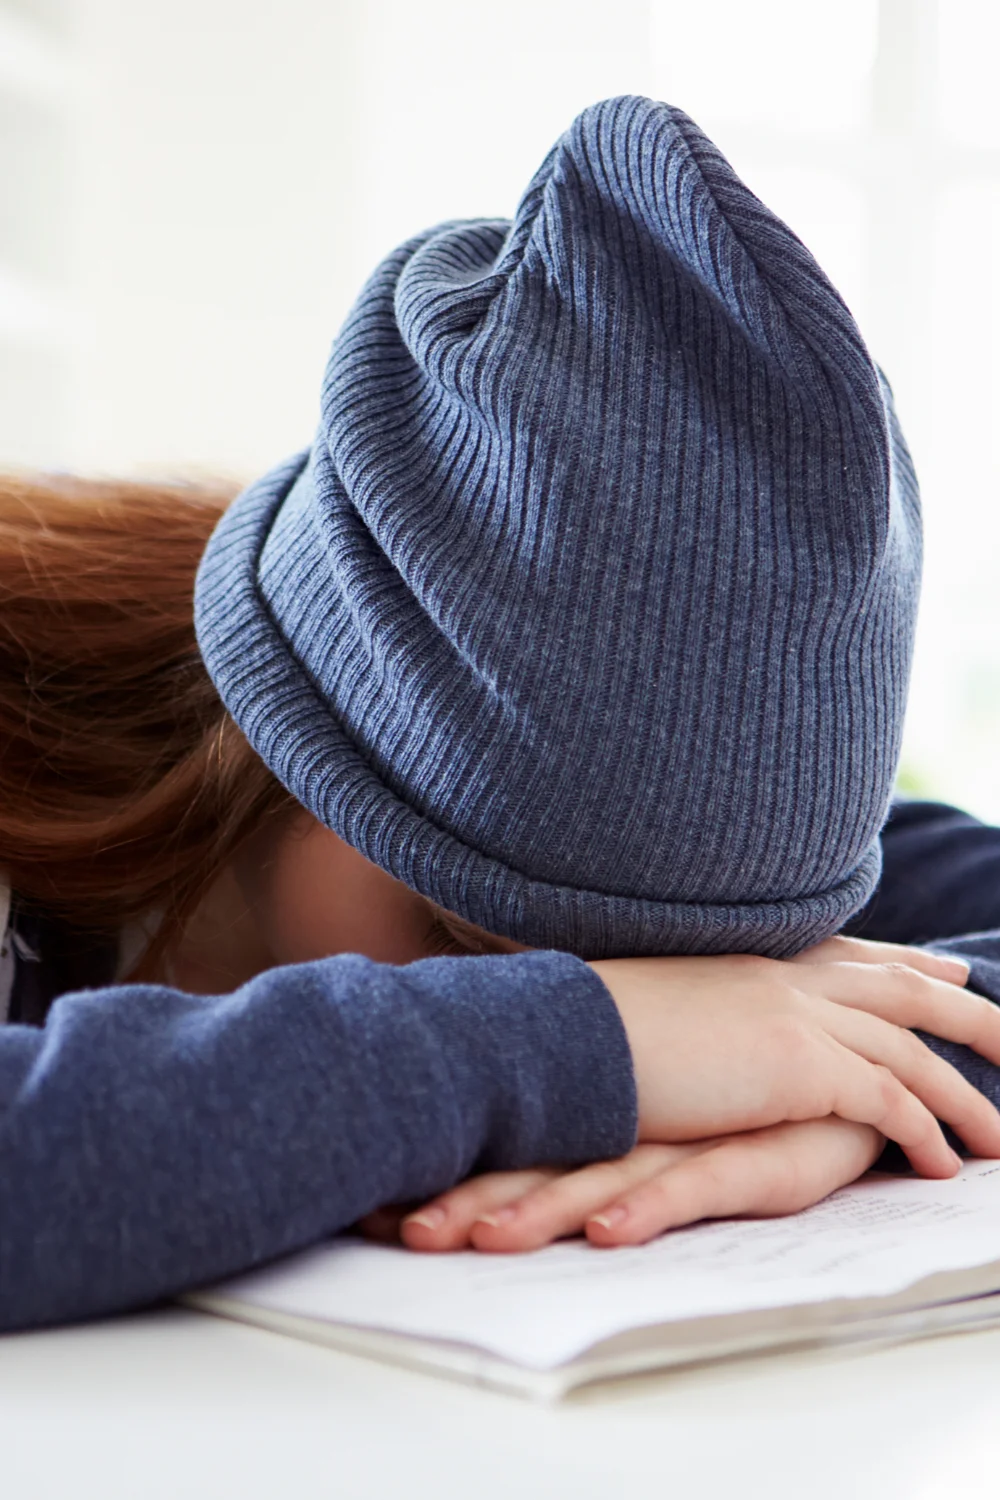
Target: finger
779,1170
561,1207
863,951
870,1093
382,1225
910,999
932,1080
445,1223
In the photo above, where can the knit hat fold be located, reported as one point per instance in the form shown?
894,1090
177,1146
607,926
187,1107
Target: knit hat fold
589,612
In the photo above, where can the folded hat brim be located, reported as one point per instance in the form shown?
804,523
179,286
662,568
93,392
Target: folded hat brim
294,729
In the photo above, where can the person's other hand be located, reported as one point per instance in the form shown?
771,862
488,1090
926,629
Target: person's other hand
855,950
731,1044
761,1173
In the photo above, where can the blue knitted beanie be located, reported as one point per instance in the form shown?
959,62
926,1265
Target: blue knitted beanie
589,612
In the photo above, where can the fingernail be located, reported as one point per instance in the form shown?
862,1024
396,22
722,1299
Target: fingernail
958,1160
610,1218
500,1216
958,965
430,1218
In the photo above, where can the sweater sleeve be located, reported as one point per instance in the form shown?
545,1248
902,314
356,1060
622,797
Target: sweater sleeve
152,1141
940,877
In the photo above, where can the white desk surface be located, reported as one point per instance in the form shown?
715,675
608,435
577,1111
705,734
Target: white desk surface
174,1405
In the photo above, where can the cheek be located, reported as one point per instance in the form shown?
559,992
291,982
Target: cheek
325,899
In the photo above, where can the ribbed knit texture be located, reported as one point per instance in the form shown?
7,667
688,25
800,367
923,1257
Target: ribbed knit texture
589,613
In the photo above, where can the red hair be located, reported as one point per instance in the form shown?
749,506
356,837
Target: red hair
124,784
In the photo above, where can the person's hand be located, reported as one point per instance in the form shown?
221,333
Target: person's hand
731,1044
762,1173
855,950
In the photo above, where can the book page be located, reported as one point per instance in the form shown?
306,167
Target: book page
540,1309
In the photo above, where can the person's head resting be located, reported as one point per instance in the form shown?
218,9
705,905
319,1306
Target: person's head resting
588,615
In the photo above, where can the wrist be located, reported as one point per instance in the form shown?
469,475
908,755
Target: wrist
631,1004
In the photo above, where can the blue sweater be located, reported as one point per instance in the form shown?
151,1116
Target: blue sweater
151,1141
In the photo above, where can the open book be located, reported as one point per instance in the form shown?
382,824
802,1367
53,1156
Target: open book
885,1259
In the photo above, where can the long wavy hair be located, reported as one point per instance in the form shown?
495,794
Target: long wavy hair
124,784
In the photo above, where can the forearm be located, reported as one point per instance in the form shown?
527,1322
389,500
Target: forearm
152,1140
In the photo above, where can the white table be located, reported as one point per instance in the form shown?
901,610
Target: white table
175,1405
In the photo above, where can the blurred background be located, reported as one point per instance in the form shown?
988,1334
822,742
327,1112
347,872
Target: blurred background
191,192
